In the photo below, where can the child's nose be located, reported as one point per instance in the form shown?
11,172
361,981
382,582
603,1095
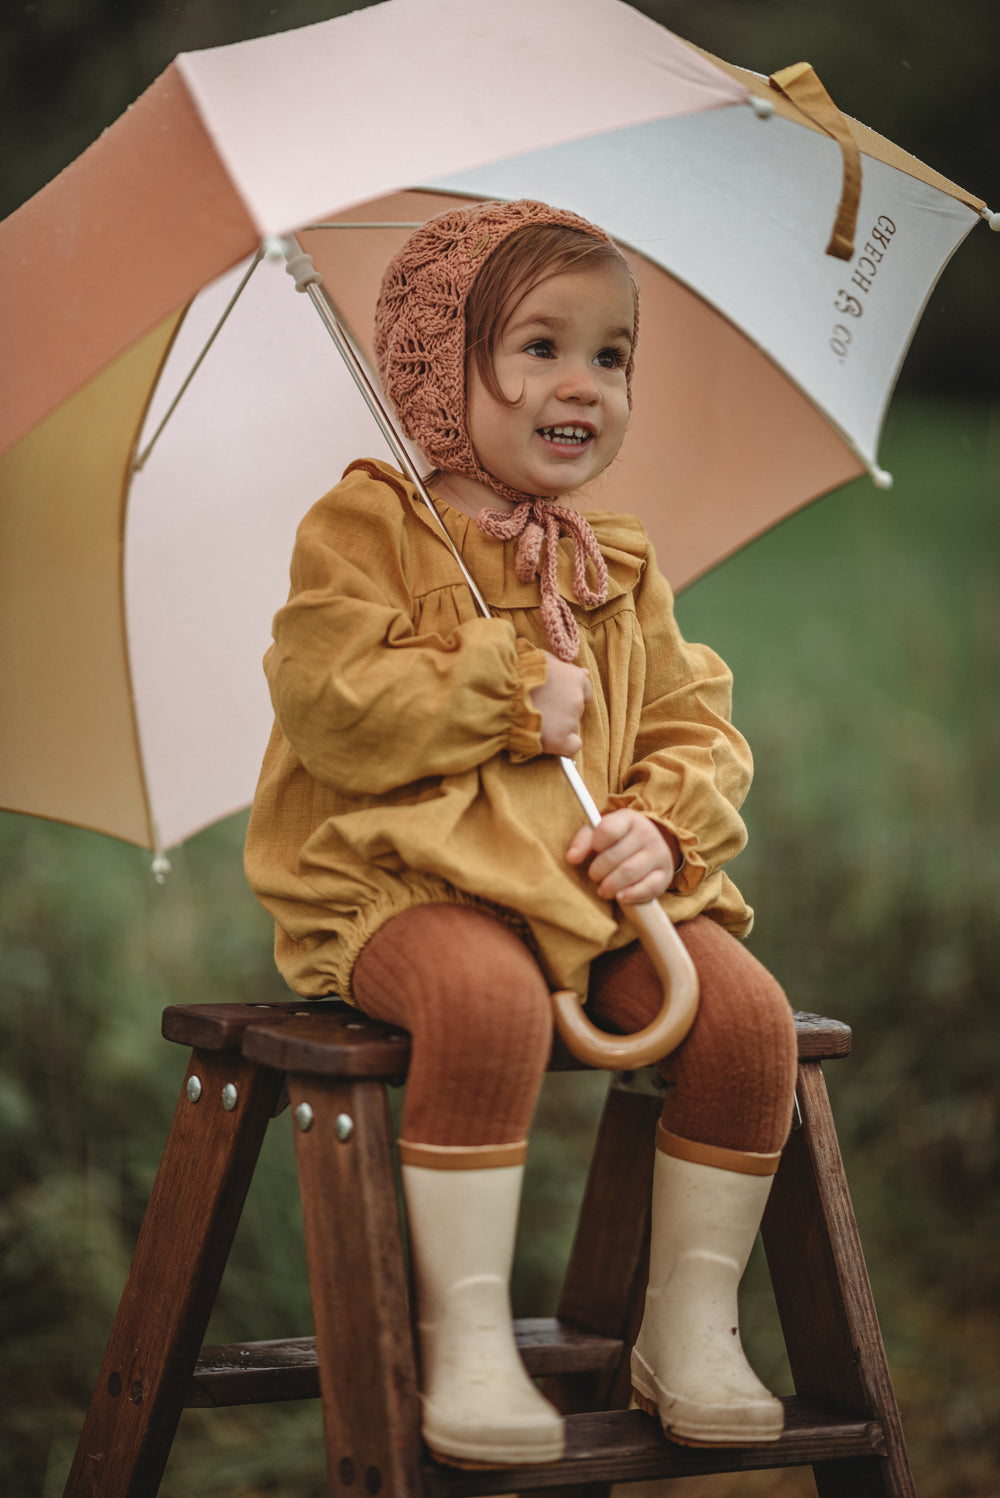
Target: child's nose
578,383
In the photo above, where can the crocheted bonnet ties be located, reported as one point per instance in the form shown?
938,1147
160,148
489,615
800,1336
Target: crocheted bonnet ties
420,351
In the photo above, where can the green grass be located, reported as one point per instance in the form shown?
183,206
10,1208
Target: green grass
863,635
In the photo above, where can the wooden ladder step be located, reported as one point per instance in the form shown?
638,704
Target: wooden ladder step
627,1446
269,1372
254,1373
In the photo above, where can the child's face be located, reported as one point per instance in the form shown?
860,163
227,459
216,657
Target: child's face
562,357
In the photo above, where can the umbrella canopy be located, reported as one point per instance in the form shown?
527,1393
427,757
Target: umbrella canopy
135,604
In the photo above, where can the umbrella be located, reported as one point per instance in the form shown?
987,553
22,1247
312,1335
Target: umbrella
135,603
146,523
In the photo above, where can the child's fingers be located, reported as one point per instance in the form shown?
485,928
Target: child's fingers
626,874
614,844
613,826
631,861
581,846
651,887
560,701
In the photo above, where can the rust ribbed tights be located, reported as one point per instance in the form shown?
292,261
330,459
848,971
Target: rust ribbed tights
477,1007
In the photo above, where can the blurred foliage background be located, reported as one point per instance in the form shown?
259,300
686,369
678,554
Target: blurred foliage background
864,639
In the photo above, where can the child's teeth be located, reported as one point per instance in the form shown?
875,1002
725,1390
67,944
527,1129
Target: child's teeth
573,434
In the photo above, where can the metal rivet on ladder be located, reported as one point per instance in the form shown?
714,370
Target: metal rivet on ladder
229,1096
193,1089
304,1117
344,1127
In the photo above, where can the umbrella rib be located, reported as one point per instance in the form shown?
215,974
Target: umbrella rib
308,279
140,461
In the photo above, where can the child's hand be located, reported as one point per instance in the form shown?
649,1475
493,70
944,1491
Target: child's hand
632,860
560,700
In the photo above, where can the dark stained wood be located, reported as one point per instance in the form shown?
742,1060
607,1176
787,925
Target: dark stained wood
337,1040
821,1039
628,1446
354,1248
549,1347
221,1027
824,1296
266,1372
343,1042
327,1045
254,1373
179,1258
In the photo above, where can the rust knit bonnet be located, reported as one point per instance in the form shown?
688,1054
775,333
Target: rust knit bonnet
420,352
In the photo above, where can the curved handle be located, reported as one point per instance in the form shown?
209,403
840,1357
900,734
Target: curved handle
677,974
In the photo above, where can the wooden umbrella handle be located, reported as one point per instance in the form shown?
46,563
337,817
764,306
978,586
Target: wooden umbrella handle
675,971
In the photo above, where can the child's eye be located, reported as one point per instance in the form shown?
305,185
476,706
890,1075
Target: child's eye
541,348
611,358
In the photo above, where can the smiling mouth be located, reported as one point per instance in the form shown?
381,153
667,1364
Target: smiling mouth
566,436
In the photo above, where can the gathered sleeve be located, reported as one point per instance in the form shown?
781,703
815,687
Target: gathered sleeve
367,701
691,768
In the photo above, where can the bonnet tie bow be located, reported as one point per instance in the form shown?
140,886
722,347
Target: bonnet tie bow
536,520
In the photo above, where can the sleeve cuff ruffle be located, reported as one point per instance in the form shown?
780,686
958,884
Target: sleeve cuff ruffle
525,740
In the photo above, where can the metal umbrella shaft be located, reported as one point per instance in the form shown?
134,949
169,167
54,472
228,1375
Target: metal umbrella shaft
654,928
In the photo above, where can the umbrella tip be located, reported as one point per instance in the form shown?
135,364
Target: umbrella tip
762,108
881,477
160,868
993,219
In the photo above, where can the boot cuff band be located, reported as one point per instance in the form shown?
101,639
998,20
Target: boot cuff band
461,1156
744,1162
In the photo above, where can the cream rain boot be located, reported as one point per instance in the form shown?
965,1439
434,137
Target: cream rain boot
479,1405
688,1364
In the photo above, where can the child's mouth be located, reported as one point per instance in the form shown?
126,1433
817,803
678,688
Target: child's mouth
566,436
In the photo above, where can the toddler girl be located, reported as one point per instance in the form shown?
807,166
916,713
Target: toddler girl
417,844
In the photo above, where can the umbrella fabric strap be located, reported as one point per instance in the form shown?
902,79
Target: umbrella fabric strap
800,85
535,520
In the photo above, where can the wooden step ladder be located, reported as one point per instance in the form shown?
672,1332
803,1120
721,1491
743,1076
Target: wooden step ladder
337,1064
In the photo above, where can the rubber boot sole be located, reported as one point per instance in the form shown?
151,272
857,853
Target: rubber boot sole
643,1402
